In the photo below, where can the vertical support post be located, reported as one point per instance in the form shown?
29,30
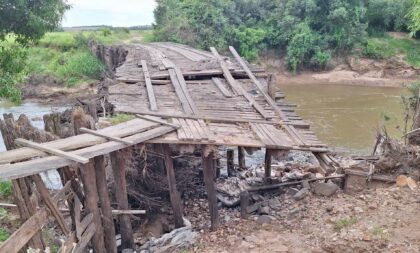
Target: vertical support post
230,163
267,163
241,158
87,172
244,202
107,220
208,169
216,168
118,159
173,192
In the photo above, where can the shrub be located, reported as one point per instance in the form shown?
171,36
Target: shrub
374,50
106,32
4,234
12,66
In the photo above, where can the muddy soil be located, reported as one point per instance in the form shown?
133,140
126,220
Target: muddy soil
379,219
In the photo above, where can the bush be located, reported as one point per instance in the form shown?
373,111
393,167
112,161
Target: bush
106,31
373,50
12,66
4,234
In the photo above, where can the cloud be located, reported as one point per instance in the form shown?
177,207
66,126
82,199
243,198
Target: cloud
110,12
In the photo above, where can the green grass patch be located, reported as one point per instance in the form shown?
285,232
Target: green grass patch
6,189
120,118
387,47
344,223
4,234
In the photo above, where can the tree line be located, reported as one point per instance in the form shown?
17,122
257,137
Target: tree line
307,32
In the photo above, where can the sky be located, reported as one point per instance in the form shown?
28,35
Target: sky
109,12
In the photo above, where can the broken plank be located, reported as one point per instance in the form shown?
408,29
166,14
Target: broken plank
106,136
149,86
184,88
52,151
221,87
179,92
157,120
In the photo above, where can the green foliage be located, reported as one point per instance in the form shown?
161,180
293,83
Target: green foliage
387,15
6,189
319,27
30,20
106,31
414,17
4,234
345,223
12,65
120,118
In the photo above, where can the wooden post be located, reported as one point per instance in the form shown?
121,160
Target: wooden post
241,158
107,220
173,192
208,169
244,202
118,159
88,176
230,163
267,163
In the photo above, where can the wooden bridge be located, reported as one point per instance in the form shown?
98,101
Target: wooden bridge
188,98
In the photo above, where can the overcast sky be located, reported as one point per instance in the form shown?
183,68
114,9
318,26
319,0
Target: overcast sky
109,12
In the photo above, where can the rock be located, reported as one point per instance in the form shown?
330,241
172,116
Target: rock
411,183
265,219
324,189
274,204
305,184
301,194
253,208
264,210
329,209
358,209
401,181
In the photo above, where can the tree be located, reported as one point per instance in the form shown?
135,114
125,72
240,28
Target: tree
414,16
30,19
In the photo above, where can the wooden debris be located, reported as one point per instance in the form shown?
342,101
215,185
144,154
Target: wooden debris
149,86
112,138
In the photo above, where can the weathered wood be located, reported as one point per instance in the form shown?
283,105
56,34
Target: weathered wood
184,88
157,120
230,163
52,151
36,166
131,212
241,158
267,164
87,172
179,92
173,192
208,172
383,178
105,204
149,86
244,203
87,236
207,72
106,136
118,162
221,87
42,189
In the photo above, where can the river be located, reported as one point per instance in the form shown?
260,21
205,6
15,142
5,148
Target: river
347,117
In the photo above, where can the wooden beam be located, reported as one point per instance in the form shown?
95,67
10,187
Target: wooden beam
149,86
106,136
208,172
173,192
131,212
179,92
237,87
221,87
241,158
52,151
230,163
105,204
267,164
35,166
194,73
184,88
159,121
42,189
118,162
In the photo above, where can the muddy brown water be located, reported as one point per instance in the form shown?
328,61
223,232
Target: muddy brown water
347,117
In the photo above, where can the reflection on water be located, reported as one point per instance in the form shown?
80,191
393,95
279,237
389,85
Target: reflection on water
346,117
34,112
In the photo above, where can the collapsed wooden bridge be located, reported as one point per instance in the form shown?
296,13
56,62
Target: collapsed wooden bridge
183,97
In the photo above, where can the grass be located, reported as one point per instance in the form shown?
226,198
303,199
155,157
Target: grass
4,234
344,223
386,47
120,118
6,190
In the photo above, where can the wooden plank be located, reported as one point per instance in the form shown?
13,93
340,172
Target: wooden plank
42,189
206,129
87,236
184,88
180,131
200,129
106,136
131,212
221,87
173,192
188,133
179,92
52,151
128,128
261,135
118,162
157,120
209,171
235,86
195,131
21,169
149,86
200,73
